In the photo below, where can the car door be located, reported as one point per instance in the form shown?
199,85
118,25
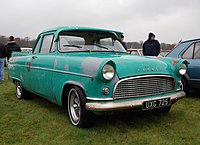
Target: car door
192,54
42,62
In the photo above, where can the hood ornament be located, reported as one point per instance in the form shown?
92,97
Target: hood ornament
148,69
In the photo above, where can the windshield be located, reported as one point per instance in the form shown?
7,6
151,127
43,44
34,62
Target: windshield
89,41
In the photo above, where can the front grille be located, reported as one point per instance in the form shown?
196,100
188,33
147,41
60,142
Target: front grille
143,86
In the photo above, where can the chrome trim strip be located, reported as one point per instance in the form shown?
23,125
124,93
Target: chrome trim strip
134,104
16,65
99,99
54,70
145,76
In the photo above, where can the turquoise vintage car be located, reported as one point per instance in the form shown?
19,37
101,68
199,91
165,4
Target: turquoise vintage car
87,71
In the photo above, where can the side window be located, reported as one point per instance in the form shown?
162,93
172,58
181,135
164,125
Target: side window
46,44
197,51
189,52
37,46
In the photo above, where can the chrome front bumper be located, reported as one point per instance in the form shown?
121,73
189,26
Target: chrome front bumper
135,104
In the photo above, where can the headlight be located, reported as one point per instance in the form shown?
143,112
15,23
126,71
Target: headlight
182,69
108,72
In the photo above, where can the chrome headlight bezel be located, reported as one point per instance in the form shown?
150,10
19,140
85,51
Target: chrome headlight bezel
182,69
108,72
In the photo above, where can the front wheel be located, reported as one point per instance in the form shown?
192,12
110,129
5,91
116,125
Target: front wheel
186,87
78,115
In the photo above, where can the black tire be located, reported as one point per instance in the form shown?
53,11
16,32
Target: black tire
21,93
78,115
186,87
164,109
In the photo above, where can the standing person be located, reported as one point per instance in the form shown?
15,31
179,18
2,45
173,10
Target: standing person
151,47
11,46
122,41
2,59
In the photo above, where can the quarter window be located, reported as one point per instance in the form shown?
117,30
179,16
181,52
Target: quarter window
197,51
37,46
189,52
46,44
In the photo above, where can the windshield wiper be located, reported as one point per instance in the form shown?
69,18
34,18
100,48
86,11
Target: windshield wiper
101,46
72,45
104,47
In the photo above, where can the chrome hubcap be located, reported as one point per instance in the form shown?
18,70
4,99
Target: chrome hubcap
74,106
19,90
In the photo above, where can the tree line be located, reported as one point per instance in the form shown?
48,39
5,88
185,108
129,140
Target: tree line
138,45
27,42
22,42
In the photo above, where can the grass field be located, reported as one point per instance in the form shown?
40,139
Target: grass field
39,122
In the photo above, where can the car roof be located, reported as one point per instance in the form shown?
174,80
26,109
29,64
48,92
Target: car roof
71,28
197,39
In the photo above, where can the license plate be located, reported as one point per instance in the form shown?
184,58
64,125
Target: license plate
156,103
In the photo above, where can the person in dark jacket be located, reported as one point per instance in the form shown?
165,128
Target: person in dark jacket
11,46
151,47
2,59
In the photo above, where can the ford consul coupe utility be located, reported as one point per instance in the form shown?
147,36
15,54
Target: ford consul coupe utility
87,70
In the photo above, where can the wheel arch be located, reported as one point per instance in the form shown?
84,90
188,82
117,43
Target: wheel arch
66,89
16,79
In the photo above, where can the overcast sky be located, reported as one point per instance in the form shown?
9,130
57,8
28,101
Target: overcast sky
169,20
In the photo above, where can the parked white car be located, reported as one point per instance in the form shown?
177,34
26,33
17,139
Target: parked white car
135,51
26,49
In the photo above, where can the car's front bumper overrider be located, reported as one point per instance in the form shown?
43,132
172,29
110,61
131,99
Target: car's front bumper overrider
133,104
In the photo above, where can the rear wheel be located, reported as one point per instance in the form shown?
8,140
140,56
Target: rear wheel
21,93
78,115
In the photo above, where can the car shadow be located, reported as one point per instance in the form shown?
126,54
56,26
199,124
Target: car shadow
133,119
128,118
44,103
194,93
